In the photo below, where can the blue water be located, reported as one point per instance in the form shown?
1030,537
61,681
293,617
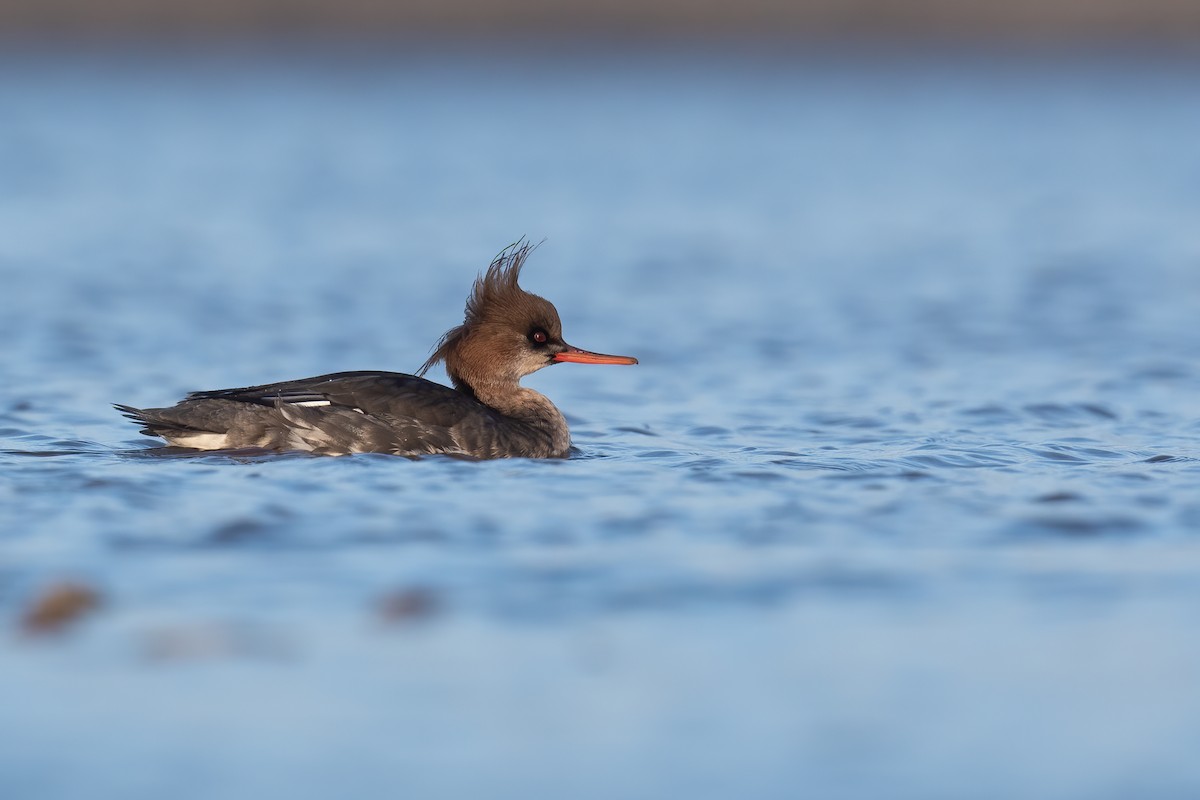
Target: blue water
902,500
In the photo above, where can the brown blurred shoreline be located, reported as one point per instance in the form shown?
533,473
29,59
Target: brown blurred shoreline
1002,20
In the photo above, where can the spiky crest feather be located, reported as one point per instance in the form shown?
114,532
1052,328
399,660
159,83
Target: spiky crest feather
497,283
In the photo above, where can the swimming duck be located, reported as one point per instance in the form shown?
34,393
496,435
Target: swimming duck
507,333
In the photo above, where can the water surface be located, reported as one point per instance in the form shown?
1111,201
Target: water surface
901,501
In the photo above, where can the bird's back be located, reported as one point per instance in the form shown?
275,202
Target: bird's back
347,412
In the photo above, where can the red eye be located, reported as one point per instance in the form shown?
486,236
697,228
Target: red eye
539,336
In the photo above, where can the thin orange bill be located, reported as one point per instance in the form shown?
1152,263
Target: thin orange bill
577,356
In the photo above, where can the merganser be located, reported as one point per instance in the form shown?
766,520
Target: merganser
507,333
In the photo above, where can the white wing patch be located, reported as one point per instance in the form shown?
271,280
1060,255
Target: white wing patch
323,404
199,441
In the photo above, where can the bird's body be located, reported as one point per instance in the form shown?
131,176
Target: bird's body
507,334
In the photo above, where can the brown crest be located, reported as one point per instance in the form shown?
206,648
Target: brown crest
494,290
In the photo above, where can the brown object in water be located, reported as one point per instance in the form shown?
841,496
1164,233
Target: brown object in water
59,606
408,605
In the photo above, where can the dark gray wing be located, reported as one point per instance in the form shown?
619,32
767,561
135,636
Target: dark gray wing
384,412
393,394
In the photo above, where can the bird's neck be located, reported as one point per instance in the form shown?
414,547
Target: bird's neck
519,403
508,397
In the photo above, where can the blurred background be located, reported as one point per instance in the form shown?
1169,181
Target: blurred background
1057,19
900,501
